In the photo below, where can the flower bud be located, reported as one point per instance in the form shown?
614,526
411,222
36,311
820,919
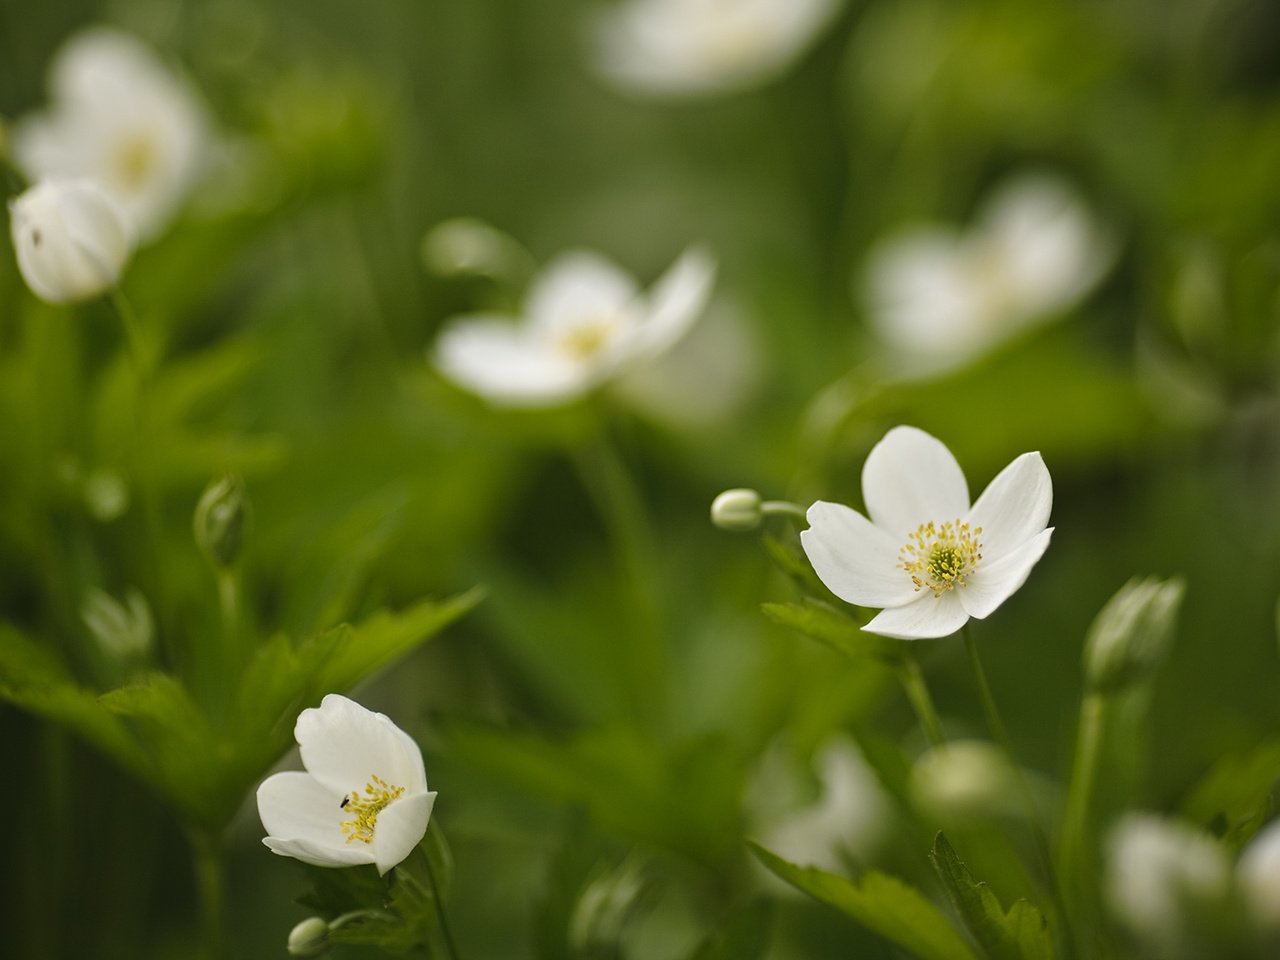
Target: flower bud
310,938
70,239
966,781
122,629
1131,634
220,519
738,509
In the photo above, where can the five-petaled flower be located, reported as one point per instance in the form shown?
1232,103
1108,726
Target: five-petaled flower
362,799
925,556
585,322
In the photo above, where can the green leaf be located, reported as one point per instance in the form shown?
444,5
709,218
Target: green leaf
1235,798
1021,934
881,903
834,628
746,936
795,565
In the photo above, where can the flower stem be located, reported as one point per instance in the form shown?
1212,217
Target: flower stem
917,691
784,508
1077,817
209,868
133,333
1041,839
621,507
229,607
436,896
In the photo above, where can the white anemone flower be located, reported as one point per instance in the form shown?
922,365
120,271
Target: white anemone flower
682,47
942,297
362,799
70,240
585,321
926,556
121,117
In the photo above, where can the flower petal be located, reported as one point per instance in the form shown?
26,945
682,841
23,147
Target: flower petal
1014,507
303,819
400,827
579,286
994,583
677,299
343,744
506,365
855,559
911,478
925,618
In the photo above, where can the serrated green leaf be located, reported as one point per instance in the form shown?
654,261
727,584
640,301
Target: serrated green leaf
1021,934
822,622
881,903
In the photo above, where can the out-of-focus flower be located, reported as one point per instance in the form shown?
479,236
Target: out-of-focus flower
310,938
122,629
121,117
942,297
1131,634
966,780
683,47
1258,874
926,556
1165,881
219,520
70,240
362,799
585,321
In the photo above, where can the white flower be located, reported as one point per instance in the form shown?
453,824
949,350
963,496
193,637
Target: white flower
123,118
926,556
70,240
1163,878
585,321
943,297
363,799
703,46
1258,874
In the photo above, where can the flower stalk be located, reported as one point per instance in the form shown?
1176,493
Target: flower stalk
917,691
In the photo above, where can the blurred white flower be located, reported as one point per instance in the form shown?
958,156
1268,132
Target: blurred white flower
585,321
70,240
121,629
967,780
942,297
363,798
926,556
121,117
672,47
1163,880
1258,874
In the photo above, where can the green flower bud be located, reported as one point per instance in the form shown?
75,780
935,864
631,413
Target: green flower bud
220,520
310,938
738,509
1131,634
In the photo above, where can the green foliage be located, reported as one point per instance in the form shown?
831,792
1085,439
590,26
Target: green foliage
1022,933
893,909
1237,796
833,627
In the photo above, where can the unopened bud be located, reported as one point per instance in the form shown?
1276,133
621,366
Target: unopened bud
220,520
469,246
1131,634
738,509
310,938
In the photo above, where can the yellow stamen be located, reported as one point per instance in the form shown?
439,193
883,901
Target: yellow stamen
940,557
377,794
135,158
587,338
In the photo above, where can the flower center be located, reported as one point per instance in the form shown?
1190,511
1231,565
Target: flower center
364,810
588,337
135,159
939,557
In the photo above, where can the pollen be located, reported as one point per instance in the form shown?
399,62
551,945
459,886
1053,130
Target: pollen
584,340
135,160
940,557
364,809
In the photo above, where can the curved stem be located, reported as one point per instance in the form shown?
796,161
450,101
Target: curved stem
440,913
917,691
209,869
784,508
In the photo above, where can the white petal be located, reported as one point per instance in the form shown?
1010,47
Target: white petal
1014,507
677,299
923,619
994,583
855,559
577,287
399,828
343,745
495,359
303,819
911,478
348,855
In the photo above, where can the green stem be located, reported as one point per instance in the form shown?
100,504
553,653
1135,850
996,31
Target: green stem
229,607
209,867
450,944
1001,733
1078,816
133,334
622,509
784,508
917,691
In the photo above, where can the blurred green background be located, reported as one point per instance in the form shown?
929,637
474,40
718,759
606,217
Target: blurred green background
296,318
